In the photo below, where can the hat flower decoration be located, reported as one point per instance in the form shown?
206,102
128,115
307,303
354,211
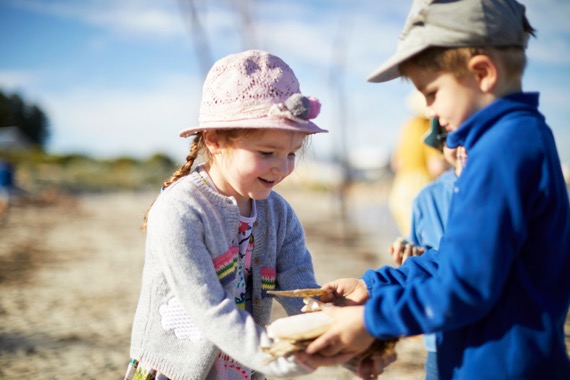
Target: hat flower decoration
298,108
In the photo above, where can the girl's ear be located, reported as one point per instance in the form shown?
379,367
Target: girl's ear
212,141
485,71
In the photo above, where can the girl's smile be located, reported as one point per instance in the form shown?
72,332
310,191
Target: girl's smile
251,167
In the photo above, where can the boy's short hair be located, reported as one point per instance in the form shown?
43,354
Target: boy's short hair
455,60
480,24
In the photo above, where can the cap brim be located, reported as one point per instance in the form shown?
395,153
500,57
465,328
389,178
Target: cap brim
260,123
389,69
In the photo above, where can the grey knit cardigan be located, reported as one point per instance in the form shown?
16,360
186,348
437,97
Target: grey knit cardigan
186,314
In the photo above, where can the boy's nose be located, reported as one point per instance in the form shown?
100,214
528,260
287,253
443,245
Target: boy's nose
430,113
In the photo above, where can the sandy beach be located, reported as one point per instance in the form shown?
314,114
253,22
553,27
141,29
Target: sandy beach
70,269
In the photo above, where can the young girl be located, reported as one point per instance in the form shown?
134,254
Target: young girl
218,237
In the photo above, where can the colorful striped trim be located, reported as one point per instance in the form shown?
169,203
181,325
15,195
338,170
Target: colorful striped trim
268,278
226,264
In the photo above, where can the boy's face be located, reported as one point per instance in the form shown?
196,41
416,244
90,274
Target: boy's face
450,99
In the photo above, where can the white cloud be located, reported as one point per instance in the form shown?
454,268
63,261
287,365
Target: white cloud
142,18
111,122
134,21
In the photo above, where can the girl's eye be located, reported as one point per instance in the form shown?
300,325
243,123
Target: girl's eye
266,154
292,155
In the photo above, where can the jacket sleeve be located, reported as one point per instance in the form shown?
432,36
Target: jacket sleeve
476,254
417,268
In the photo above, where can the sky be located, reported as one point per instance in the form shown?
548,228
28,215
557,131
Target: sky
122,78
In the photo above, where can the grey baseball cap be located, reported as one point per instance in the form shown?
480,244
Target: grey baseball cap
456,23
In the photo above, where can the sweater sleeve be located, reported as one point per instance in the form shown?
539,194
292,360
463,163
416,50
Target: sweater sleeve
294,263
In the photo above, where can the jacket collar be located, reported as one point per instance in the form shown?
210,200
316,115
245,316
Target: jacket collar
484,119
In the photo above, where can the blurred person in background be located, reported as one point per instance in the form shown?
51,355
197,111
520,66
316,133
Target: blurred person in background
429,217
414,164
6,184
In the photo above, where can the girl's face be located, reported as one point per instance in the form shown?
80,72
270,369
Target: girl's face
253,165
450,99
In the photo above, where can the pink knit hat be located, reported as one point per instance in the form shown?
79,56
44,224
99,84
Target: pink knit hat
254,89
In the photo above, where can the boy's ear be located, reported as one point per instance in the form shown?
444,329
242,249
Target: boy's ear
485,71
212,141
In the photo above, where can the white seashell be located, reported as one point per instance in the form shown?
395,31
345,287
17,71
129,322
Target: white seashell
300,327
312,305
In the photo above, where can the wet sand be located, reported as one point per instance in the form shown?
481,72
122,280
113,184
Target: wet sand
70,276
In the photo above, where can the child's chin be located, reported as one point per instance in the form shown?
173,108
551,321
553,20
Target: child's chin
261,196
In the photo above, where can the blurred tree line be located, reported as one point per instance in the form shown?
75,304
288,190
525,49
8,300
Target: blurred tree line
29,118
37,170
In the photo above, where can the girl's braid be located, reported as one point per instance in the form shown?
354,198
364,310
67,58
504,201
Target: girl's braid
183,171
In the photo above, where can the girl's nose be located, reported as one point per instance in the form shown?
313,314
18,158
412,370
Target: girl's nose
283,167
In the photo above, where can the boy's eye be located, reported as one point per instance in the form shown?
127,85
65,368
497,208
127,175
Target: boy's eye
266,154
292,155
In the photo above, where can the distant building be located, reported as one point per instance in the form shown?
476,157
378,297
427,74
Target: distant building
13,138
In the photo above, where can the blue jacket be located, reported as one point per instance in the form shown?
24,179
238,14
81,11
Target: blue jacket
498,290
430,209
6,174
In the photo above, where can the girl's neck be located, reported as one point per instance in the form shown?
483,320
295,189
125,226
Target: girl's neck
245,207
244,204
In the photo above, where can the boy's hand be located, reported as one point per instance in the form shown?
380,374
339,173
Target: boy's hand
347,335
346,292
401,249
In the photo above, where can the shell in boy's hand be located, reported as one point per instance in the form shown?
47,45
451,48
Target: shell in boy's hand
299,292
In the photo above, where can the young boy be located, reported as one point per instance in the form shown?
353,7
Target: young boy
498,290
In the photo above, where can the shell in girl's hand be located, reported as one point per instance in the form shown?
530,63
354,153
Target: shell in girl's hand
300,327
294,333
